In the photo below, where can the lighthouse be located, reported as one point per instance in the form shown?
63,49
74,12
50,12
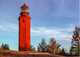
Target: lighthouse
24,28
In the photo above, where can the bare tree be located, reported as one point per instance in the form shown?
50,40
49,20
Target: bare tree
53,46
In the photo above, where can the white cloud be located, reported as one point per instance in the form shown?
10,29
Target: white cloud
63,33
56,32
8,27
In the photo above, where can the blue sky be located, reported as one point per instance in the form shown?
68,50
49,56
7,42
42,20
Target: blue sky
49,19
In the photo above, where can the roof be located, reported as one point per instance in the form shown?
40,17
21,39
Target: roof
24,6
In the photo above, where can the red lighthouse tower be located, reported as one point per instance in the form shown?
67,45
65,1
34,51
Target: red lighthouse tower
24,28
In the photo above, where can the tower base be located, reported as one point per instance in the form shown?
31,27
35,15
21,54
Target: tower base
24,49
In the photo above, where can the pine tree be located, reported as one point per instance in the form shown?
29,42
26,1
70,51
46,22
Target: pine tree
42,47
75,48
33,48
5,46
63,52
